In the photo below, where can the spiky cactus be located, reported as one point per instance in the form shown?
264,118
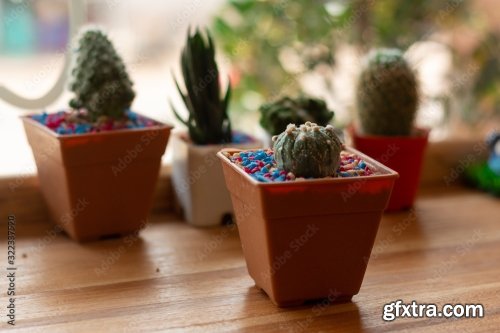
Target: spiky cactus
387,94
208,121
308,151
275,116
99,78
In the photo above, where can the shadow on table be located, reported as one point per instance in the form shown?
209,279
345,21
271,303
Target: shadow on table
402,226
315,316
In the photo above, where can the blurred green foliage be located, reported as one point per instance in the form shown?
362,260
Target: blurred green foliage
254,34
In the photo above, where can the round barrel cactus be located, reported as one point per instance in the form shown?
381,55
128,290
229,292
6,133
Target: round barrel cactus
309,151
387,94
276,115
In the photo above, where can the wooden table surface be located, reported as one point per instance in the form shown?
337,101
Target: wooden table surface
181,279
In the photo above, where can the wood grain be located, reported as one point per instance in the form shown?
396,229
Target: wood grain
21,194
177,278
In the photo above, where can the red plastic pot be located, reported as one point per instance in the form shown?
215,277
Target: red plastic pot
308,239
98,184
404,154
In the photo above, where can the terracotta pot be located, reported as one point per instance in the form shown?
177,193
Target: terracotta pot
98,184
309,239
198,181
404,154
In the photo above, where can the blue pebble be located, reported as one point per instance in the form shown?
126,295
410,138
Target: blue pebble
362,165
131,115
262,178
344,174
260,155
264,170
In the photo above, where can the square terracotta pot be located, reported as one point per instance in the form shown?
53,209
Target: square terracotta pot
198,181
98,184
308,239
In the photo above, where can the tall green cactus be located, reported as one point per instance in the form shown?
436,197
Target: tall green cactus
208,120
308,151
275,116
387,94
99,78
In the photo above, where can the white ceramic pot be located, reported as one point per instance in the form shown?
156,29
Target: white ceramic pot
198,181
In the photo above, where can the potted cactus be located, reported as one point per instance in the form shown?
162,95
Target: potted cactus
275,116
196,177
387,101
97,162
308,212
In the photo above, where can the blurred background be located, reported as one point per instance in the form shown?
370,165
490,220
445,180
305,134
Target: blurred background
267,49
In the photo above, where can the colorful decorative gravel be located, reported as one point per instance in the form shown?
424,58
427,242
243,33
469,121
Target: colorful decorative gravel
241,138
260,164
76,122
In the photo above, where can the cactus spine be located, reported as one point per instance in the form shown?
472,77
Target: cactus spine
308,150
99,79
387,94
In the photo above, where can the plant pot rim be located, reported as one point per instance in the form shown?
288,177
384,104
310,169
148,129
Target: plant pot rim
387,172
184,136
117,132
419,133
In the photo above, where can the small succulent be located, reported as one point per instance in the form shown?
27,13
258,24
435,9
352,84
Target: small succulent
99,78
208,121
308,151
275,116
387,94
